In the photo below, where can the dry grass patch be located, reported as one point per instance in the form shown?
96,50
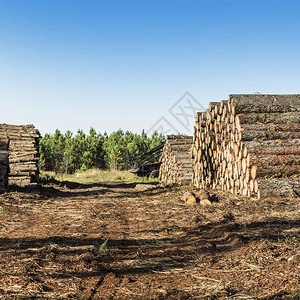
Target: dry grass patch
96,175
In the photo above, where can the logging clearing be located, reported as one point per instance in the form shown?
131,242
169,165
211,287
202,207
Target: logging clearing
88,239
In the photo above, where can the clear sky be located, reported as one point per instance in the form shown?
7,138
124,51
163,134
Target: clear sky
112,64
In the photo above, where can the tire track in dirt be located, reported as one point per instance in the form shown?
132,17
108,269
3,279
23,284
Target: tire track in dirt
94,290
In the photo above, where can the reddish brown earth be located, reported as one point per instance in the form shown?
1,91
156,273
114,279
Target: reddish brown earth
157,247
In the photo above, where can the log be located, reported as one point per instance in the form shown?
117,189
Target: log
203,194
279,147
279,187
277,171
188,195
272,127
265,103
18,127
23,154
249,135
179,137
23,159
180,148
205,202
274,160
22,173
276,118
19,182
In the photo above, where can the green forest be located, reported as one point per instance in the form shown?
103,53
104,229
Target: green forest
68,153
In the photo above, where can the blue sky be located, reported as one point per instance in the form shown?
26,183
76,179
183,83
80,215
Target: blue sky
71,64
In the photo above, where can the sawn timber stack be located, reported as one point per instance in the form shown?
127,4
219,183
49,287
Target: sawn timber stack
249,145
176,166
23,153
3,164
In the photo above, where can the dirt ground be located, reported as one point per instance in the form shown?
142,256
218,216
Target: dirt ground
131,241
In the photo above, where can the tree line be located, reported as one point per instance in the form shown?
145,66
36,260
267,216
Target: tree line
68,153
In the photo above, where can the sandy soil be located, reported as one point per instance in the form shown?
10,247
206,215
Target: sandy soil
52,244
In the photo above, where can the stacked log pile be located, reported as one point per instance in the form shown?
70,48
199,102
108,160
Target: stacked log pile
3,164
176,166
23,153
244,144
